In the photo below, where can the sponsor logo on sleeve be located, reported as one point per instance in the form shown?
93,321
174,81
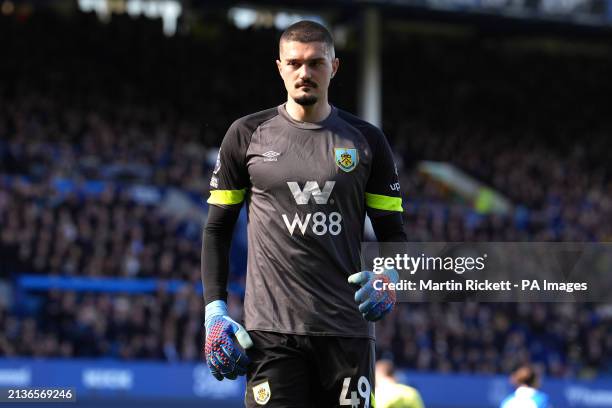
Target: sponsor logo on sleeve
218,163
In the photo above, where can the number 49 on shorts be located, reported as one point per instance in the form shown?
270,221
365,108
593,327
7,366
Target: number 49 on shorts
355,399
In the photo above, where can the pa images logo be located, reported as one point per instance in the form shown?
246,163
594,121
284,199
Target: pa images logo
346,159
262,393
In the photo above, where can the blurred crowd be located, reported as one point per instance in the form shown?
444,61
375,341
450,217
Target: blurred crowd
555,197
69,324
108,235
566,340
154,116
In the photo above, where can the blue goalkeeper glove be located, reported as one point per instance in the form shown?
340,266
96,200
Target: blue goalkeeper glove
374,301
224,359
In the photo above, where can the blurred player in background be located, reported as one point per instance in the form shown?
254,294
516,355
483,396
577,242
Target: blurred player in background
526,394
308,172
390,393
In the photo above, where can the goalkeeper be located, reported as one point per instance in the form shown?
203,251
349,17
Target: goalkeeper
308,173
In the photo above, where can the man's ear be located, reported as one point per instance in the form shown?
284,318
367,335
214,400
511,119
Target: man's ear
335,66
278,65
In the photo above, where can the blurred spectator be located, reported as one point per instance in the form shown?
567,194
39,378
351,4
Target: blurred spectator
526,381
391,394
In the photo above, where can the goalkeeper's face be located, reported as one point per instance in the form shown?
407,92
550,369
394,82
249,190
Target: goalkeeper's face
306,69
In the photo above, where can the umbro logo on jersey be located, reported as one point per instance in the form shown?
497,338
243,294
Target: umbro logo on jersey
270,155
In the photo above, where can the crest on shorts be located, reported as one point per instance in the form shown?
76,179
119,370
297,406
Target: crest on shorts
262,393
346,159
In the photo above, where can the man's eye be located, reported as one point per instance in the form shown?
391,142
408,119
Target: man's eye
292,63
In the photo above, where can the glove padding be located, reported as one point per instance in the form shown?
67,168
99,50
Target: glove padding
374,304
224,359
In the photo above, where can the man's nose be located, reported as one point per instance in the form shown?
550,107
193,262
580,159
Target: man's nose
305,72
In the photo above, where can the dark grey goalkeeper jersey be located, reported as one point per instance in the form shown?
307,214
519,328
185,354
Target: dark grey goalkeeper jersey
307,188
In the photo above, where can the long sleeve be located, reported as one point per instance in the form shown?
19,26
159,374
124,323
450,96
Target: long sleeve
216,242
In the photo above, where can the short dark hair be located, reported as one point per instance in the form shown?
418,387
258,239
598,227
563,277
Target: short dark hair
525,375
307,31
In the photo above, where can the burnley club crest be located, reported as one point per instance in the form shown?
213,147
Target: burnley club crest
346,159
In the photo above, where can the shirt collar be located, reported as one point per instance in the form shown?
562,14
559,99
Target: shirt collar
282,110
